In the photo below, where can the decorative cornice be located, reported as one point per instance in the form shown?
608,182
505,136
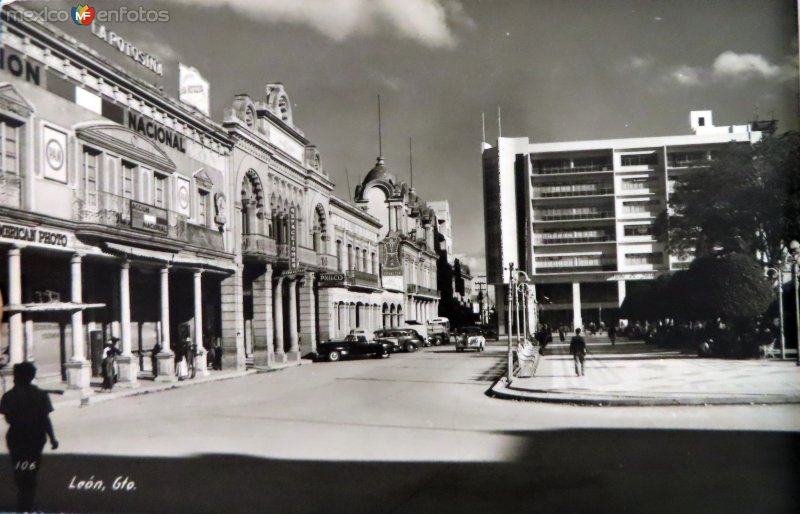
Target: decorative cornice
109,135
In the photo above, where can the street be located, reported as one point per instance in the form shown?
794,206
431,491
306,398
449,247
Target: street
412,433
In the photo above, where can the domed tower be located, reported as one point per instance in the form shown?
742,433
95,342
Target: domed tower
381,195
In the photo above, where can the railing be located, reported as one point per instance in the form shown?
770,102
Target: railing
575,169
10,190
575,216
258,244
112,210
569,240
427,291
688,164
539,193
362,278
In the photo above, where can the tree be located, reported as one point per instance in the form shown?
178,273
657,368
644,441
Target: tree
746,201
731,287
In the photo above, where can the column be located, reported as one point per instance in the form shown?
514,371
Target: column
78,369
294,348
15,331
165,360
277,317
263,352
621,292
308,315
128,366
351,316
232,292
500,309
577,321
200,362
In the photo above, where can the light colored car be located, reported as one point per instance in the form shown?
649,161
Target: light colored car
470,338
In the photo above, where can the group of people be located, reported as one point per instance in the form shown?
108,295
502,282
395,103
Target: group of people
185,352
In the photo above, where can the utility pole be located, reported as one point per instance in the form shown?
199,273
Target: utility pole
480,300
511,295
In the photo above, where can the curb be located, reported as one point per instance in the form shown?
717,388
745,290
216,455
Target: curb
500,391
96,398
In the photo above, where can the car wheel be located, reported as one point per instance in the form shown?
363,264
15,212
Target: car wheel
437,342
411,347
334,356
384,354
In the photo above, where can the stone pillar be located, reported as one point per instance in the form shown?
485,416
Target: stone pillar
128,366
15,330
294,348
277,316
327,315
577,321
263,354
78,368
392,216
308,315
233,357
500,309
621,292
165,360
200,361
351,316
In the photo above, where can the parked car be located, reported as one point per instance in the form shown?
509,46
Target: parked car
470,338
439,331
419,328
353,345
402,339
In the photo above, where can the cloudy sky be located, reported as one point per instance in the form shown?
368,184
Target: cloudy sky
559,69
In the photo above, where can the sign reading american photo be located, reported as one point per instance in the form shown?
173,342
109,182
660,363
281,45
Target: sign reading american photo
54,154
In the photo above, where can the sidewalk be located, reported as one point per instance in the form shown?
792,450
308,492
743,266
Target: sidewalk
634,373
147,385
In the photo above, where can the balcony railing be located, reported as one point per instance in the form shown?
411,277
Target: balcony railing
258,244
362,278
10,190
688,164
570,240
540,193
427,291
574,216
575,169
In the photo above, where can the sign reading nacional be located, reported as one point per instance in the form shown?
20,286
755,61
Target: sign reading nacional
125,47
156,132
147,217
34,235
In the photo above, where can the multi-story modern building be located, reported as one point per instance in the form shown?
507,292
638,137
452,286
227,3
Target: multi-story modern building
579,217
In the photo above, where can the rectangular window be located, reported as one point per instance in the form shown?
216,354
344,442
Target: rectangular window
91,159
686,159
640,159
644,258
646,206
9,147
128,172
160,188
639,230
636,183
202,207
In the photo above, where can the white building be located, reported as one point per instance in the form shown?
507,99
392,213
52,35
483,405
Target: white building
579,216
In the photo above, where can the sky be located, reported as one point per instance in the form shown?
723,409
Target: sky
558,69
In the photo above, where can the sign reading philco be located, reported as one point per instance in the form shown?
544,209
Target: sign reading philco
293,264
331,279
33,235
390,257
147,217
156,132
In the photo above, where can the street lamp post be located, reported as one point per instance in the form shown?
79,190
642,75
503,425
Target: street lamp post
510,370
794,248
779,272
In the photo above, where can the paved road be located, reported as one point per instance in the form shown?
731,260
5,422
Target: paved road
413,433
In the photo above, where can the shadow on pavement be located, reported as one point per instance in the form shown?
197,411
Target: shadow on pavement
553,471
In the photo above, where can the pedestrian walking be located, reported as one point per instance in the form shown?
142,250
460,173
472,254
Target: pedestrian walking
154,358
577,347
27,409
218,356
612,334
562,335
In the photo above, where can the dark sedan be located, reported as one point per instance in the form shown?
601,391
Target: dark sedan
402,339
353,345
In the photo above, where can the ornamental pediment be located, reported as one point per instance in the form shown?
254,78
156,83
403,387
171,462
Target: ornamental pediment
11,100
126,143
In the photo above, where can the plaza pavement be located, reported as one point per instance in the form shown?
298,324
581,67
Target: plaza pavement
635,373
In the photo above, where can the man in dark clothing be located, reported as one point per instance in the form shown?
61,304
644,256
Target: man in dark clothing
26,409
612,334
577,347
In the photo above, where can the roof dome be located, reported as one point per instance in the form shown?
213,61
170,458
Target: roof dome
379,172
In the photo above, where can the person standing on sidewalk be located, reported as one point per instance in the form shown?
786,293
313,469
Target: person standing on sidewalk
577,347
612,334
27,410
